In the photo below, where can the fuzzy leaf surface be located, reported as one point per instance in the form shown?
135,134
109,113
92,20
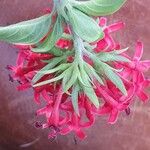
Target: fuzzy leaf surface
99,7
27,32
85,26
51,39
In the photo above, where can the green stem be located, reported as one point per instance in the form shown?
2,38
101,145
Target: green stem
78,45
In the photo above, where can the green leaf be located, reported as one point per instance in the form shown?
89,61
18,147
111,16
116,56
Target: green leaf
74,98
114,78
83,76
109,56
90,93
56,51
92,72
99,7
50,80
89,47
61,67
84,26
88,89
52,38
117,52
72,80
51,64
67,77
27,32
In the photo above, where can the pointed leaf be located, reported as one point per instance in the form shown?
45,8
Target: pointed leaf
88,89
99,7
74,98
72,80
51,64
90,93
84,26
119,51
27,32
67,77
91,72
49,81
50,41
114,78
61,67
108,56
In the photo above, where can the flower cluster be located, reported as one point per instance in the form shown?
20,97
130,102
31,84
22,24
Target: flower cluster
61,117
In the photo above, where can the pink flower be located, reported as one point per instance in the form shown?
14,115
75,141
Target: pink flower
108,43
60,115
137,68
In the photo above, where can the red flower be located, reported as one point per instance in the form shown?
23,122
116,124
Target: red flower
61,117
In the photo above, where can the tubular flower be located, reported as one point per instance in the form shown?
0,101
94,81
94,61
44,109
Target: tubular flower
61,118
72,62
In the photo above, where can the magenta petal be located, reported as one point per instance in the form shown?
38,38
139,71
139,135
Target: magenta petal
80,134
113,116
143,96
107,97
37,97
139,51
64,120
145,65
102,21
65,131
110,41
105,109
55,116
20,58
135,75
46,96
52,134
42,111
115,27
24,86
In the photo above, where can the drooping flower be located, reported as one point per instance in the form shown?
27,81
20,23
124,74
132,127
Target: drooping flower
62,114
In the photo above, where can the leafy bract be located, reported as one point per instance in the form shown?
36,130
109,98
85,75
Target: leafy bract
87,87
92,73
113,77
74,98
50,65
72,80
109,56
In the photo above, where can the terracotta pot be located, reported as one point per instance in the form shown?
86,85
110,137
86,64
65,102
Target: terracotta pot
17,109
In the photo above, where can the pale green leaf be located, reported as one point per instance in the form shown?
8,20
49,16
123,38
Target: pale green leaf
27,32
90,93
67,77
117,52
72,80
61,67
84,26
88,89
114,78
52,38
92,72
50,80
74,98
98,7
108,56
53,62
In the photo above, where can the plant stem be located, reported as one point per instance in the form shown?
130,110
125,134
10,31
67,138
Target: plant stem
78,48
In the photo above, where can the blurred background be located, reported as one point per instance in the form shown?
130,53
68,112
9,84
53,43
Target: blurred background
17,109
